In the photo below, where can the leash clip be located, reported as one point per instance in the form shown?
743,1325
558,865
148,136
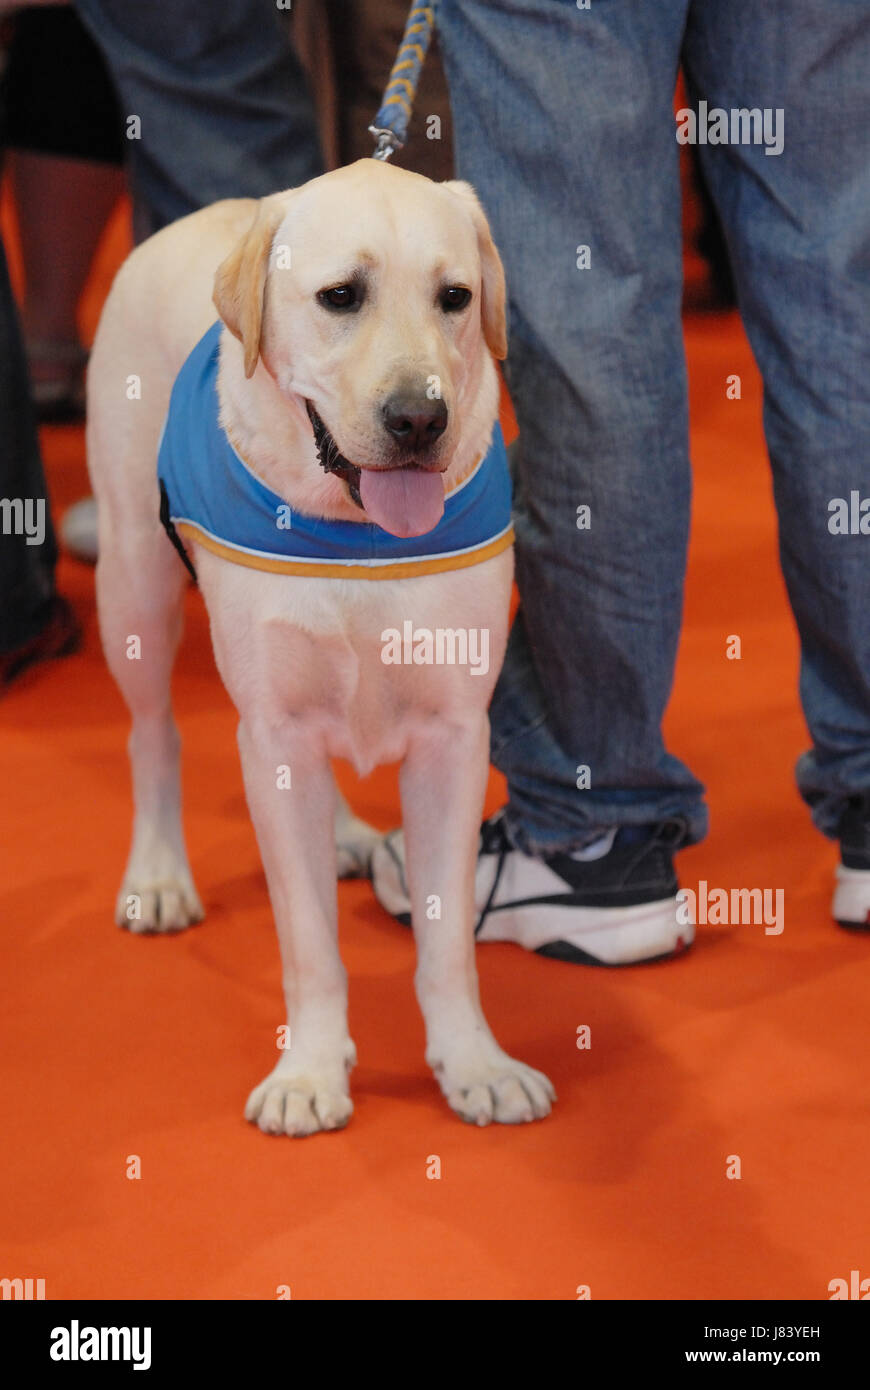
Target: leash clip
386,142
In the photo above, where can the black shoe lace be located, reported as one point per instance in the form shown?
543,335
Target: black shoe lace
493,840
668,835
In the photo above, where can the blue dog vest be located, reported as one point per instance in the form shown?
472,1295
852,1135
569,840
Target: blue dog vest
209,495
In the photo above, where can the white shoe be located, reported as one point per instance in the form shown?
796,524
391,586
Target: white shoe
612,904
78,530
851,905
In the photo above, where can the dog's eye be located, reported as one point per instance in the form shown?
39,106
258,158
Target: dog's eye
340,297
454,297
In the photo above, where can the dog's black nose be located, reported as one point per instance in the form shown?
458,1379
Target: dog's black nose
414,421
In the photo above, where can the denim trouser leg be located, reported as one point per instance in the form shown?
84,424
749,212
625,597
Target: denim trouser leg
26,563
221,96
798,224
564,123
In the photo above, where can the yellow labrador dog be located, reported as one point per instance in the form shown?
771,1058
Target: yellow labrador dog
353,384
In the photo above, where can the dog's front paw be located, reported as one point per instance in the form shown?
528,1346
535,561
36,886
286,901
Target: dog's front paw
162,902
495,1088
298,1099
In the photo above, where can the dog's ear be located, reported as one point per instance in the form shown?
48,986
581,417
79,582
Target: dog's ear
240,280
493,306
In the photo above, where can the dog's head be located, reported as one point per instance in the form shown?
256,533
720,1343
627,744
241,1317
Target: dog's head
376,297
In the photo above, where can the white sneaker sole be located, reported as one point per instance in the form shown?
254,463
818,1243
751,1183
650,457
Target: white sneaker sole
593,935
584,935
851,905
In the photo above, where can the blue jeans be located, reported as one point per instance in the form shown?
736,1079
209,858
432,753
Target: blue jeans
564,123
221,97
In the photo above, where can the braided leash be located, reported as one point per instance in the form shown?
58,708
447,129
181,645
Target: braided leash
390,126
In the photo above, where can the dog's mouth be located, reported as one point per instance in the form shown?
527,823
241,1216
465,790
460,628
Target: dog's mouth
330,457
405,500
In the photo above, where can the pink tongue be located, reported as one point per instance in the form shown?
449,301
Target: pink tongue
404,501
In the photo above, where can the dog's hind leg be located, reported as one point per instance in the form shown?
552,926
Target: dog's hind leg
140,586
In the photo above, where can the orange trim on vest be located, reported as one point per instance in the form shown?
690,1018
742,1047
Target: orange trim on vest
401,569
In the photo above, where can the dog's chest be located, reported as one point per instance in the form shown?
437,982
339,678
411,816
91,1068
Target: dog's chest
361,663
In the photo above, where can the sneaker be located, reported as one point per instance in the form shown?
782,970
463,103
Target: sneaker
611,904
60,635
851,906
78,530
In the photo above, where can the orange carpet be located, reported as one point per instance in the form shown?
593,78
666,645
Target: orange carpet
751,1045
